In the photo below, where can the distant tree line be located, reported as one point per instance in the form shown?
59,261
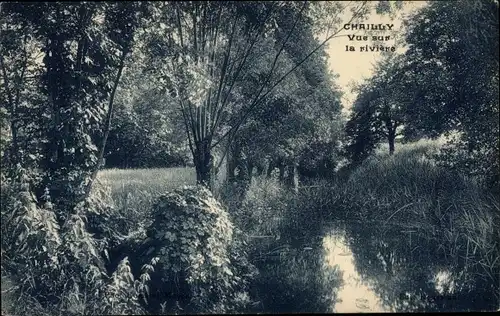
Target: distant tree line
446,83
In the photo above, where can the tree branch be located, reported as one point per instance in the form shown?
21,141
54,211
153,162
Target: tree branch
240,67
257,101
185,119
109,116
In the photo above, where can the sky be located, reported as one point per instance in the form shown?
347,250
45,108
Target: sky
354,66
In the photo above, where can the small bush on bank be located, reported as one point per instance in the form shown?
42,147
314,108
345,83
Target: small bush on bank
263,207
201,266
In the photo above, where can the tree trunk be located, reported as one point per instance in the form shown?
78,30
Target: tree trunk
107,124
231,168
260,169
203,163
250,171
281,167
391,138
232,161
292,177
270,168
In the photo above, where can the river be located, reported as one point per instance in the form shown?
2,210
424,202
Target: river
395,268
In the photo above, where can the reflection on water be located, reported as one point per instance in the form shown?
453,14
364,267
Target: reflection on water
355,296
390,269
294,277
361,267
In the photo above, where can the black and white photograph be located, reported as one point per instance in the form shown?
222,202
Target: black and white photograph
249,157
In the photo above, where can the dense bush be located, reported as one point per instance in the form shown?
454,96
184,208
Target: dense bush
201,266
58,268
480,164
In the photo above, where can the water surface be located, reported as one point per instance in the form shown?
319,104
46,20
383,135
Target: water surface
396,268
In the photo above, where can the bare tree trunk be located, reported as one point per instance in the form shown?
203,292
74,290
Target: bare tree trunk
250,167
232,161
231,169
260,169
292,176
391,138
107,124
281,167
270,168
203,164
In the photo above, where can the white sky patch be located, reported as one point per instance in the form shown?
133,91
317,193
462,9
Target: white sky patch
353,67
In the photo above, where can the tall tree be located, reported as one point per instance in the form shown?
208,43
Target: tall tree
85,45
379,111
454,67
211,45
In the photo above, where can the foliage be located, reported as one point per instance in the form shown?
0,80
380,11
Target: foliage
299,120
123,293
22,108
146,123
72,94
410,190
479,163
199,267
436,87
249,80
210,65
379,111
131,193
454,95
58,268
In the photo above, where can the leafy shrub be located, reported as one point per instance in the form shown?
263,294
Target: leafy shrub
481,164
55,267
201,267
32,235
123,293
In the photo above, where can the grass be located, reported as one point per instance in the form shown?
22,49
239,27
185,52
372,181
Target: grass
133,192
154,181
409,188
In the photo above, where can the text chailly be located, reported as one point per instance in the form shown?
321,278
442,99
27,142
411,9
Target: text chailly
380,27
